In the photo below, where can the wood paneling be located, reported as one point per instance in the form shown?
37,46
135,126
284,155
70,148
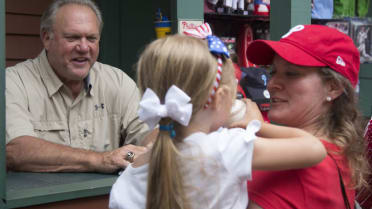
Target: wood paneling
22,29
9,62
22,24
31,7
98,202
22,47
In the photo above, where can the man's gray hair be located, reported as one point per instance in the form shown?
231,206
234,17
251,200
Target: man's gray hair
49,15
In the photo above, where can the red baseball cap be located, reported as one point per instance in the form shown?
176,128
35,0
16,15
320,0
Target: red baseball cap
311,45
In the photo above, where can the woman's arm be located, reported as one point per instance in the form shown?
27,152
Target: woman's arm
282,148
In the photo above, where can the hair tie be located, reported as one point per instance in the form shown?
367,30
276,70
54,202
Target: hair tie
169,128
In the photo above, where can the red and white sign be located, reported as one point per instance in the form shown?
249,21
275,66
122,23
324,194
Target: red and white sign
188,24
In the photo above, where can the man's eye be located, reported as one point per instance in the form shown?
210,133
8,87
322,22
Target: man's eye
92,39
72,38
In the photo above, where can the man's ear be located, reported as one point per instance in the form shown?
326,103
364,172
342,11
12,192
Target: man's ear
46,38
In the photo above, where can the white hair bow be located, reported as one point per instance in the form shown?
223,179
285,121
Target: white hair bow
176,106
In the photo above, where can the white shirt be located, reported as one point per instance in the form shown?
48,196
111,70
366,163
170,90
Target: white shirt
218,174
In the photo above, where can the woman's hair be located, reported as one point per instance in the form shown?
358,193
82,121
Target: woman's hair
187,63
49,16
344,124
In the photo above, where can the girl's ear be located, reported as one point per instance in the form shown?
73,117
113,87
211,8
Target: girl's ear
222,95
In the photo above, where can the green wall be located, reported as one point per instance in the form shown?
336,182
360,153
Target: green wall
128,27
190,9
365,86
365,76
287,14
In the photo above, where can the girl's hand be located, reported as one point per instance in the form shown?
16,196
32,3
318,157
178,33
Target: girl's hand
252,113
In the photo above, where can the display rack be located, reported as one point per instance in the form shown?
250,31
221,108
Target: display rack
235,17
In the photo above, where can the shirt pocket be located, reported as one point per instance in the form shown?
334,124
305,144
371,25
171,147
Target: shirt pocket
104,132
85,135
53,131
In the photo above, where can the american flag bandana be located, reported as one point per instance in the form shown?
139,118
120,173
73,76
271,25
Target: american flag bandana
216,47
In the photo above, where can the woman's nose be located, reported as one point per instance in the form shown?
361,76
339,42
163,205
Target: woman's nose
273,83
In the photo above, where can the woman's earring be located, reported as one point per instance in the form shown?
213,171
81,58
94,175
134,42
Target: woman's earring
328,98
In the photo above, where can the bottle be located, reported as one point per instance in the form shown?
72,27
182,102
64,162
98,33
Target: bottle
162,24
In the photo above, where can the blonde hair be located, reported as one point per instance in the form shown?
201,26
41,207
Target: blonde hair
187,63
344,124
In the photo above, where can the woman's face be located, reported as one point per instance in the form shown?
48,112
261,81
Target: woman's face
297,94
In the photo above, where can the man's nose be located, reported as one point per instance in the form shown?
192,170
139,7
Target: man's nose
83,46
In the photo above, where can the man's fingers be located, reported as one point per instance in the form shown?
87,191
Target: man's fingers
134,148
149,145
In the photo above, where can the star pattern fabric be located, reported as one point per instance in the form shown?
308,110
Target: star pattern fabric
217,47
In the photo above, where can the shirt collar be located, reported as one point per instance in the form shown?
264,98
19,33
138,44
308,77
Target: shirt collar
49,77
52,81
88,85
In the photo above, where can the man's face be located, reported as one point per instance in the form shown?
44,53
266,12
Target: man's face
73,44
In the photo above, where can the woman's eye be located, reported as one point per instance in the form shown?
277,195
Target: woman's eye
291,73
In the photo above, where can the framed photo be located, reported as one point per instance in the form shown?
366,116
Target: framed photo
362,36
342,25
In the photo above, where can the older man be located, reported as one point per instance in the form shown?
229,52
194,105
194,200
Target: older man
65,111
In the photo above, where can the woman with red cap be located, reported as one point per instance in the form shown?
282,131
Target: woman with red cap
314,72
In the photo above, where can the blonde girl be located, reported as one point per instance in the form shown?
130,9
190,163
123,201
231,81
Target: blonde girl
194,162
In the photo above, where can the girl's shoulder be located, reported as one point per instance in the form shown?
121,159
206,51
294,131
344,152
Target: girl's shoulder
222,134
221,140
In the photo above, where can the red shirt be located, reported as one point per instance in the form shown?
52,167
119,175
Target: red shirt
315,187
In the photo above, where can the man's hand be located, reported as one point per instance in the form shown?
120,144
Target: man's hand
115,160
23,154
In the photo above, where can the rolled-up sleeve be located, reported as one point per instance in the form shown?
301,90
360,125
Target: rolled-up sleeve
18,122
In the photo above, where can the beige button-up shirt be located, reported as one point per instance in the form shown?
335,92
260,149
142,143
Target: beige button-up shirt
101,118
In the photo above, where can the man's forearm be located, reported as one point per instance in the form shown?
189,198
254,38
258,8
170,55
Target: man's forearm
28,153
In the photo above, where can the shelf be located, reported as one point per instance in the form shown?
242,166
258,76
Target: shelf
235,17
